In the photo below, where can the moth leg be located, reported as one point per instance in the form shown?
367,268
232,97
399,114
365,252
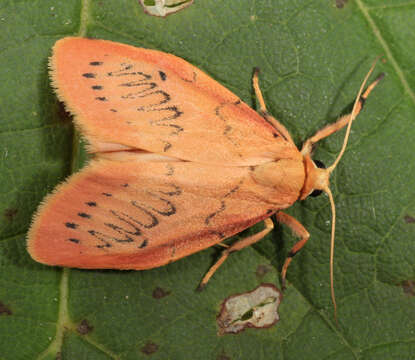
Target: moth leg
341,122
299,230
239,245
223,245
263,109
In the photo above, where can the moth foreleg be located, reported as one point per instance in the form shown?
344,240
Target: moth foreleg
238,245
264,112
299,230
341,122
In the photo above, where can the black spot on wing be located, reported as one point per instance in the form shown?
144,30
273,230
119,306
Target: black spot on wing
96,87
163,75
70,225
84,215
89,75
95,63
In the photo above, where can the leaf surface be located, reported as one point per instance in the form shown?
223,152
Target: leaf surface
313,56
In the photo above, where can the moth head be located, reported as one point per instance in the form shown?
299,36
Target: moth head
317,178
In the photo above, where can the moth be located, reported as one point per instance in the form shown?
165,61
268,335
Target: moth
180,163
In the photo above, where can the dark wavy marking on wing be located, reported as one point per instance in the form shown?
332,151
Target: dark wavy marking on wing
130,224
157,106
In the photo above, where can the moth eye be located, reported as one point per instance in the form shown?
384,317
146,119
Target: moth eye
316,193
320,165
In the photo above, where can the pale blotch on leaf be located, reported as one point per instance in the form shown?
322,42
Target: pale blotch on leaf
257,309
164,7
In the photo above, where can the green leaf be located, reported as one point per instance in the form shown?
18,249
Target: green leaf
313,56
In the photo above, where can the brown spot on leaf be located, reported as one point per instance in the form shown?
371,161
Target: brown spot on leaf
257,309
408,287
159,293
149,348
10,213
84,327
340,3
409,219
223,356
5,310
262,270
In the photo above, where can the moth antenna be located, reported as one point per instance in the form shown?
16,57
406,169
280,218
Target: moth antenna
333,231
355,110
327,190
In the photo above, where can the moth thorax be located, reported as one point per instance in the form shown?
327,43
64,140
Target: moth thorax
284,175
315,178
